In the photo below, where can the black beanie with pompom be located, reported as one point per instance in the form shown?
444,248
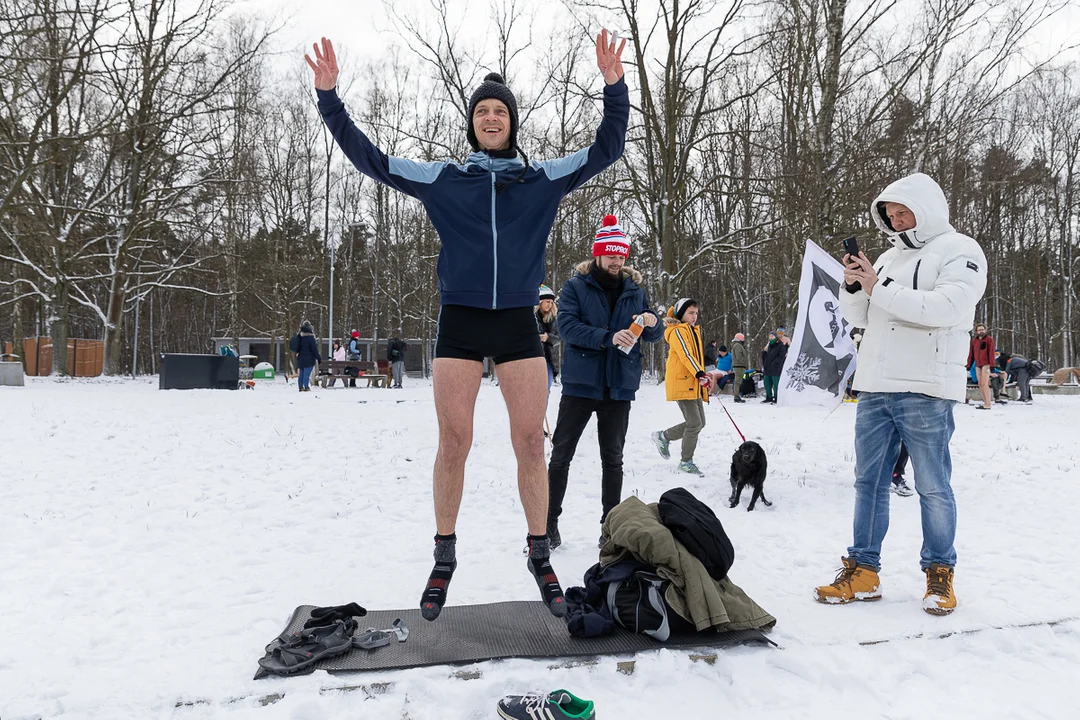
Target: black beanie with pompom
493,88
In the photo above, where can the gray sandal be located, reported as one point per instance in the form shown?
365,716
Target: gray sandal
371,638
296,652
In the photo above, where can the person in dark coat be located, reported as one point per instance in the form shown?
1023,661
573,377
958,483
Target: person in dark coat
307,355
772,366
395,355
711,353
547,323
597,307
1018,370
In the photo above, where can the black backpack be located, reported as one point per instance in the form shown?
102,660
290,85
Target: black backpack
695,525
1036,367
637,604
748,387
294,344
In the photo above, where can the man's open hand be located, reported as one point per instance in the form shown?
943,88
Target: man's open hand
326,67
608,59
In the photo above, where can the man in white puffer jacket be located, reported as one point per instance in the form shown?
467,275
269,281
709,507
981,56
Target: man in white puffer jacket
916,304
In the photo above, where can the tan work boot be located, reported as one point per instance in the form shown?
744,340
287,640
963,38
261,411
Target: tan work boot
940,598
853,582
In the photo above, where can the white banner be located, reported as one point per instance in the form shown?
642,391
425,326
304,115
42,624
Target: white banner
822,356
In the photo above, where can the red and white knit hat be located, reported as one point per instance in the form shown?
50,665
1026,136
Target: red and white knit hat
610,239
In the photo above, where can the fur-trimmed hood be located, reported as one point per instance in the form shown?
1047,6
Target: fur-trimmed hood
585,266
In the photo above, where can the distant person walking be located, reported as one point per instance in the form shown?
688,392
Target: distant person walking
307,355
395,355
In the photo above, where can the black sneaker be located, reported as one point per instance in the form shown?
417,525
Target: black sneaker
559,705
739,400
554,538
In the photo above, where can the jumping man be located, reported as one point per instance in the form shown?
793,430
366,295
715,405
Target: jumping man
493,215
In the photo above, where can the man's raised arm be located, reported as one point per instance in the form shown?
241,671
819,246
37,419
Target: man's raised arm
407,176
582,166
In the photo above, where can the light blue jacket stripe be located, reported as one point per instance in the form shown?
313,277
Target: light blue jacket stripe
494,246
418,172
561,167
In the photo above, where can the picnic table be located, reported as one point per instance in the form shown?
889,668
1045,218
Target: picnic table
361,370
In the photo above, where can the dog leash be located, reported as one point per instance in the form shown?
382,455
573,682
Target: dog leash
732,420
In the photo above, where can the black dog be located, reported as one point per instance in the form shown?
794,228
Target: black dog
748,467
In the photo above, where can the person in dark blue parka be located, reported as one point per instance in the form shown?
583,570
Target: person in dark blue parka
598,305
307,355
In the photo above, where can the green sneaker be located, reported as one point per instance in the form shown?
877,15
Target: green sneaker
661,443
559,705
688,466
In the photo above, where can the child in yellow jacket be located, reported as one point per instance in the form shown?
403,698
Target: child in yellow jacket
685,382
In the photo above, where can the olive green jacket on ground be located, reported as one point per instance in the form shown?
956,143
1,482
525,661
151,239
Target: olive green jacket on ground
634,528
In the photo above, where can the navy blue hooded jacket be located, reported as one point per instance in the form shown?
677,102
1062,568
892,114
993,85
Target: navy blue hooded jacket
308,355
493,243
590,362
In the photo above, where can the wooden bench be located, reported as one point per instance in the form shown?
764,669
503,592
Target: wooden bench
329,372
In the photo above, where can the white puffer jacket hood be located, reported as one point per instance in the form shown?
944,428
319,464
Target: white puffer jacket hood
922,308
927,202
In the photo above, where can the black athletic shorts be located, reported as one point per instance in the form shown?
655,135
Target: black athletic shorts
468,333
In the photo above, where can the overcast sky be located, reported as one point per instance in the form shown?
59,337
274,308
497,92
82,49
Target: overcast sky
361,29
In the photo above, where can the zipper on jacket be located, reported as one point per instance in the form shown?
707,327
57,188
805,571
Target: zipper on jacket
915,282
494,244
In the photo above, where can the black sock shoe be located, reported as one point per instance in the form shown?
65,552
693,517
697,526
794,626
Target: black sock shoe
434,597
539,565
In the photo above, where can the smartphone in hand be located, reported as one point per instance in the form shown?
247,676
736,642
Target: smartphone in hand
851,246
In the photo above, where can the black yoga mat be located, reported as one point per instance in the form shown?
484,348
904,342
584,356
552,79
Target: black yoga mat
474,633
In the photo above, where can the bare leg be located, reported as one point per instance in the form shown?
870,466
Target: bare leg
524,388
456,384
983,374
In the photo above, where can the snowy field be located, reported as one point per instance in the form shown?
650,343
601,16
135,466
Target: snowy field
152,542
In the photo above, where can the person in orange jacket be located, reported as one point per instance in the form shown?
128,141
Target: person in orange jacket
685,382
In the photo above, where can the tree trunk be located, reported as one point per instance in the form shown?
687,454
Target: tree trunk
58,329
18,331
113,325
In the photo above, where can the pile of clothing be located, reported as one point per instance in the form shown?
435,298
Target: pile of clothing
329,632
663,569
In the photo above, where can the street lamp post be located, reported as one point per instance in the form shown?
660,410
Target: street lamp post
330,336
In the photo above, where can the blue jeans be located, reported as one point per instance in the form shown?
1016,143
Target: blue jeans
304,378
551,377
925,425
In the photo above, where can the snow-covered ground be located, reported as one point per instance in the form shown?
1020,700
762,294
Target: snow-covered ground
151,542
